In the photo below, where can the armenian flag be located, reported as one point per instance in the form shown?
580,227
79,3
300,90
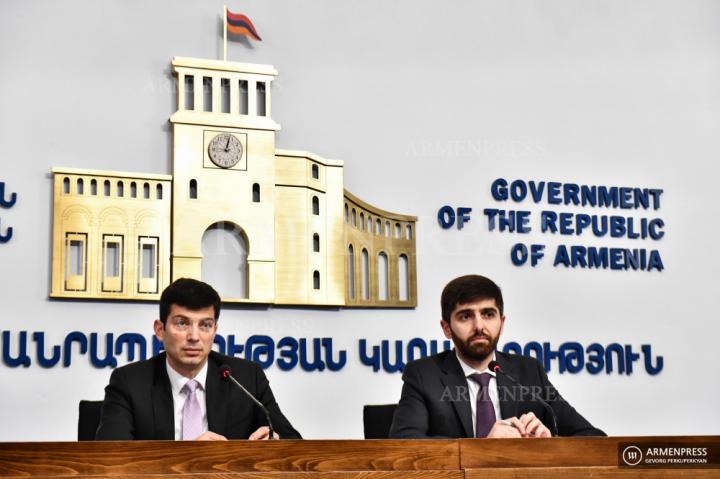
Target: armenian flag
239,24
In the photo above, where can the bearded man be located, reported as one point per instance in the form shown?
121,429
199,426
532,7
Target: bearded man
457,394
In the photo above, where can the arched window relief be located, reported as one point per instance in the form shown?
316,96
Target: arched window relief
354,217
397,230
316,243
261,98
225,95
403,278
256,193
106,188
387,229
315,205
158,191
378,227
133,190
224,265
362,221
243,104
146,191
80,186
207,93
66,186
408,232
351,272
365,274
120,189
383,284
189,92
369,224
315,171
193,190
347,213
93,187
316,280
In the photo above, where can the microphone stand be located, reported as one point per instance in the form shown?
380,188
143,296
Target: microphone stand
227,375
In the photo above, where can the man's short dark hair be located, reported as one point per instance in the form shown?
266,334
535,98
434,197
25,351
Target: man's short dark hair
467,289
191,294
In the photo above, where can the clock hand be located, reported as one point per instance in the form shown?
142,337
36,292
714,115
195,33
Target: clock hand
227,146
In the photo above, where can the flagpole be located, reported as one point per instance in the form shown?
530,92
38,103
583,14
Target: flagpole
225,34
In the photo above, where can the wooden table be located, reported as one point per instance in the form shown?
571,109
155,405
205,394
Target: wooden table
344,459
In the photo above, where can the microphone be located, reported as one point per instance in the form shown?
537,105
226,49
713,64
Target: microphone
226,373
495,367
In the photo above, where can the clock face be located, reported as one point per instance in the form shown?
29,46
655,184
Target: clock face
225,150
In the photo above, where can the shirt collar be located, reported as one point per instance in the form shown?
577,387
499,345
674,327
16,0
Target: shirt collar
177,380
469,371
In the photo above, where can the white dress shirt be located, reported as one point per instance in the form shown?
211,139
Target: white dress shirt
177,382
474,389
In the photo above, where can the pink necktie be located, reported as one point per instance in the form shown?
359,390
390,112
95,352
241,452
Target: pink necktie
192,425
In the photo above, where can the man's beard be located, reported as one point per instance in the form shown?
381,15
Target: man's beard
478,351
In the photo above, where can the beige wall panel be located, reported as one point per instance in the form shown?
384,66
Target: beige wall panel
335,248
297,171
293,246
297,261
261,282
317,262
88,210
358,234
186,267
291,171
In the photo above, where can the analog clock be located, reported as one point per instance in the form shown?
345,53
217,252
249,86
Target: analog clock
225,150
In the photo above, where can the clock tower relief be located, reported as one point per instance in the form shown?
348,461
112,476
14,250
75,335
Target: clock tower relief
224,176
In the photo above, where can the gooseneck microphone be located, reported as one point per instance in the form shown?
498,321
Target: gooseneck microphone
226,373
495,367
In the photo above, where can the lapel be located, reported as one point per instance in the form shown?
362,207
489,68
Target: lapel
507,390
454,379
162,402
217,396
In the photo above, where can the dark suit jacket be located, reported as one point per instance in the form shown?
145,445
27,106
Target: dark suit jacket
139,404
435,401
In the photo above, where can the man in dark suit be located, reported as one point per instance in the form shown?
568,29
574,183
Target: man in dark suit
181,394
455,394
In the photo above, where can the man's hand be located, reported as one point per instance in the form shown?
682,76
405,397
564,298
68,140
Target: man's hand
507,428
533,426
262,434
528,425
210,436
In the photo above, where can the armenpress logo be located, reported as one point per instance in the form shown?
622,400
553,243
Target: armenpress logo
632,455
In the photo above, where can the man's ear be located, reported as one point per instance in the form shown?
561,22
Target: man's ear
446,328
159,329
502,324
